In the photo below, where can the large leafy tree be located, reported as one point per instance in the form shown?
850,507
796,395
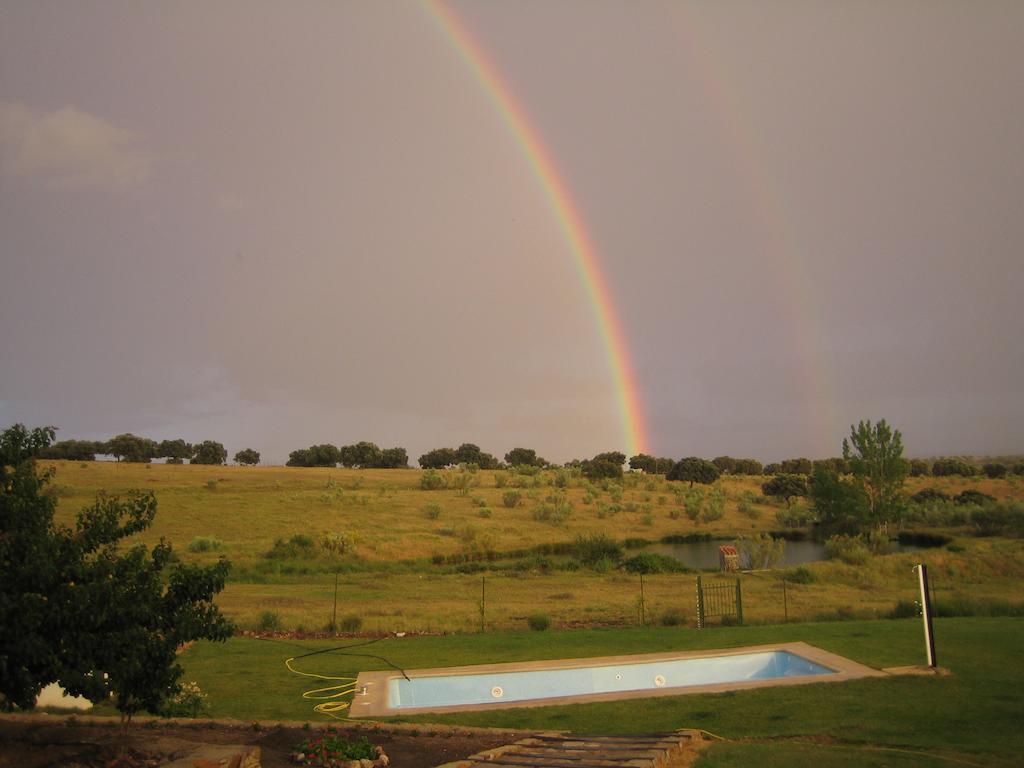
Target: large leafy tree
209,452
785,487
874,455
694,470
78,611
132,448
247,457
524,457
175,451
439,458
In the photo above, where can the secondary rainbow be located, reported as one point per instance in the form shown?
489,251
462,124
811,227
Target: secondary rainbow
513,114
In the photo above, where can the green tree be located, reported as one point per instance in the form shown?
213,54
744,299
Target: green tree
175,451
439,458
919,468
524,457
209,452
596,468
79,612
394,458
694,470
994,470
613,457
247,457
363,454
796,467
840,504
132,448
72,450
785,487
875,457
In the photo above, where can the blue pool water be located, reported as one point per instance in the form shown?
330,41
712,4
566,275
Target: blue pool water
504,687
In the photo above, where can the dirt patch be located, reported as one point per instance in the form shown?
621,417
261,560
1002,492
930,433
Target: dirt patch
46,741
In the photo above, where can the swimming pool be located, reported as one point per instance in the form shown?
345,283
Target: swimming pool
598,679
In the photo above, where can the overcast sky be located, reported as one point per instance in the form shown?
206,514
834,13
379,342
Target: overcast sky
278,224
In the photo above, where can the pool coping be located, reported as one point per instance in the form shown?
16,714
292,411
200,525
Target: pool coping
370,699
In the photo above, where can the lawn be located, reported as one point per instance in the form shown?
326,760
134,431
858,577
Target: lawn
971,715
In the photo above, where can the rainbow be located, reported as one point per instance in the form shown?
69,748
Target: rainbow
634,431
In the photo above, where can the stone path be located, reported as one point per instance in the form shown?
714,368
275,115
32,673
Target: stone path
657,750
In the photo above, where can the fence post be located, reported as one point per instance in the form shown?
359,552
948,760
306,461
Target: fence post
700,604
785,604
483,600
739,602
643,603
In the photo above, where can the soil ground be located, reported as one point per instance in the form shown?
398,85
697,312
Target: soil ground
42,741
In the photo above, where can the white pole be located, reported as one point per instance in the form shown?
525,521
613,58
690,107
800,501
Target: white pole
926,613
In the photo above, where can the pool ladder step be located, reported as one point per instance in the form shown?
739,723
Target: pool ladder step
655,750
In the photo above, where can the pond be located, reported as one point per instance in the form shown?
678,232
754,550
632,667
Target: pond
703,555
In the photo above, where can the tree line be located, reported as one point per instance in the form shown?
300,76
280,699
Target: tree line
142,450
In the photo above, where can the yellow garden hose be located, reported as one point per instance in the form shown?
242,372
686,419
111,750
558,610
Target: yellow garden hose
327,695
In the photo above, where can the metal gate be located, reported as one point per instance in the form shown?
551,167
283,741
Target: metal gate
718,598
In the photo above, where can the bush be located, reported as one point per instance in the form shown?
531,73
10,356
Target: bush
994,470
922,539
971,496
432,511
431,480
850,549
591,548
189,701
511,498
761,551
801,575
928,495
538,622
673,617
555,514
351,623
653,562
204,544
298,546
485,512
268,622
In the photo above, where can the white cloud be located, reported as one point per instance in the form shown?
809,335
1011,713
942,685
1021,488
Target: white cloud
69,148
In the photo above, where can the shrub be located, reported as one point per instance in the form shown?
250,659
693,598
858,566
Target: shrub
994,470
747,510
850,549
189,701
971,496
796,516
298,546
928,495
555,514
511,498
761,551
432,511
673,617
268,622
591,548
653,562
337,543
923,539
801,575
500,479
538,622
485,512
431,480
211,485
204,544
351,623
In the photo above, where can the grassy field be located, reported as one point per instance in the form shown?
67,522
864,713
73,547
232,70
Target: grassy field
248,508
391,583
969,717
